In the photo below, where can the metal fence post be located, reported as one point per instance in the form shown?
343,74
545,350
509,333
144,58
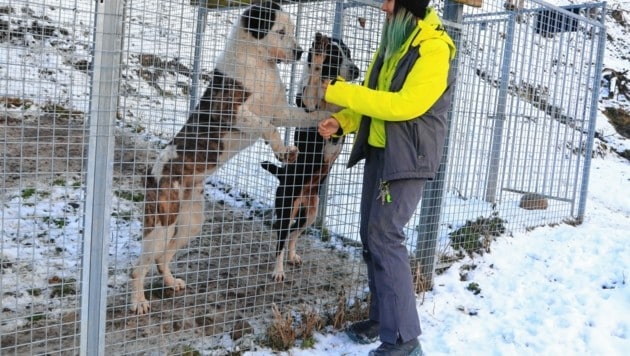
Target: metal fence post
431,208
202,18
599,64
338,21
499,120
104,95
323,194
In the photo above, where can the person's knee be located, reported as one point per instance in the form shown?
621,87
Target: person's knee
382,234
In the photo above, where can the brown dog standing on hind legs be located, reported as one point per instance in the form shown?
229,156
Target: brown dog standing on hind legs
297,195
244,102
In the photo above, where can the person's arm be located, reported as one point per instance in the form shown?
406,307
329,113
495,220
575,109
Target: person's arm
424,85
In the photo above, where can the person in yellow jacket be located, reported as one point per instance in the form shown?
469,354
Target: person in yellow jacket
399,115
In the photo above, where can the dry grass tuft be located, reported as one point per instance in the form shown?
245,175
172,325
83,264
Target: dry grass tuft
343,314
420,282
281,335
359,310
310,322
340,315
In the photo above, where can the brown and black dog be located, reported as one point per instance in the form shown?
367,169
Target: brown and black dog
297,196
244,102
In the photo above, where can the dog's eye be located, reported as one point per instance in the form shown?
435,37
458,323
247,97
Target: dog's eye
282,33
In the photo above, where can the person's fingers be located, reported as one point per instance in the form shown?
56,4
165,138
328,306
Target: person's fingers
323,132
326,127
330,123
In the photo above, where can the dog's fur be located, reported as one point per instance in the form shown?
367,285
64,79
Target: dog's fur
297,196
244,101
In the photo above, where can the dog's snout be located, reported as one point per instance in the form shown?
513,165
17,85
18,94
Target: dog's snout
297,53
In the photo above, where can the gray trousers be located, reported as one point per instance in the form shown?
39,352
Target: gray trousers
393,302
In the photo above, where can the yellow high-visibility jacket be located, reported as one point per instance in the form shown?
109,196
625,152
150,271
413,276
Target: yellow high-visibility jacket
395,102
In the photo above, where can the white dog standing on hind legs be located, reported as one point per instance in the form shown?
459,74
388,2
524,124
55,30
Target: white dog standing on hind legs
245,101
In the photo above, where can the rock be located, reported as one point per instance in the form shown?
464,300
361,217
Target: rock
533,202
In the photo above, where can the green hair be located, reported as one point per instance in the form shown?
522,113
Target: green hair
396,31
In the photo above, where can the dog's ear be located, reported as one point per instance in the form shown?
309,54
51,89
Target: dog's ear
318,38
320,43
259,19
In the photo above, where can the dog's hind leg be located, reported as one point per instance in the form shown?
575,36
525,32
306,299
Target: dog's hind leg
189,224
162,205
293,257
310,209
282,225
283,231
278,269
152,244
301,216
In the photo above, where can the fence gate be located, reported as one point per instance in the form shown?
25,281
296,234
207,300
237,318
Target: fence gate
92,91
523,123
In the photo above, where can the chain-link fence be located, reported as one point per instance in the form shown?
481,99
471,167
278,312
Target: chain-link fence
93,92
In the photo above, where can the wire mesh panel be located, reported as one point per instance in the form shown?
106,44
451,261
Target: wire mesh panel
229,266
132,123
521,138
45,67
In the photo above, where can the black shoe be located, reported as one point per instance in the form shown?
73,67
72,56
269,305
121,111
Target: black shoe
409,348
363,332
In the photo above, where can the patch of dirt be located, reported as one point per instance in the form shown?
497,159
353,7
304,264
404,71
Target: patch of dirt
44,147
41,145
228,275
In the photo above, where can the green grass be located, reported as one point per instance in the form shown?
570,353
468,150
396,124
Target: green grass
35,292
64,288
136,198
58,222
28,192
190,351
476,236
37,317
474,288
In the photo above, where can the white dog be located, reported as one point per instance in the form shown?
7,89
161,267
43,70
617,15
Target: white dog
245,101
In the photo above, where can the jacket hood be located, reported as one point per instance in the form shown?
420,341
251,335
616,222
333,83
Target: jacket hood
431,27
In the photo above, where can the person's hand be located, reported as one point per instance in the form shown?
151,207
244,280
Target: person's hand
328,127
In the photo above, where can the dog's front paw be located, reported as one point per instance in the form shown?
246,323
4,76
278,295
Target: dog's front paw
278,276
179,285
295,259
140,305
289,155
